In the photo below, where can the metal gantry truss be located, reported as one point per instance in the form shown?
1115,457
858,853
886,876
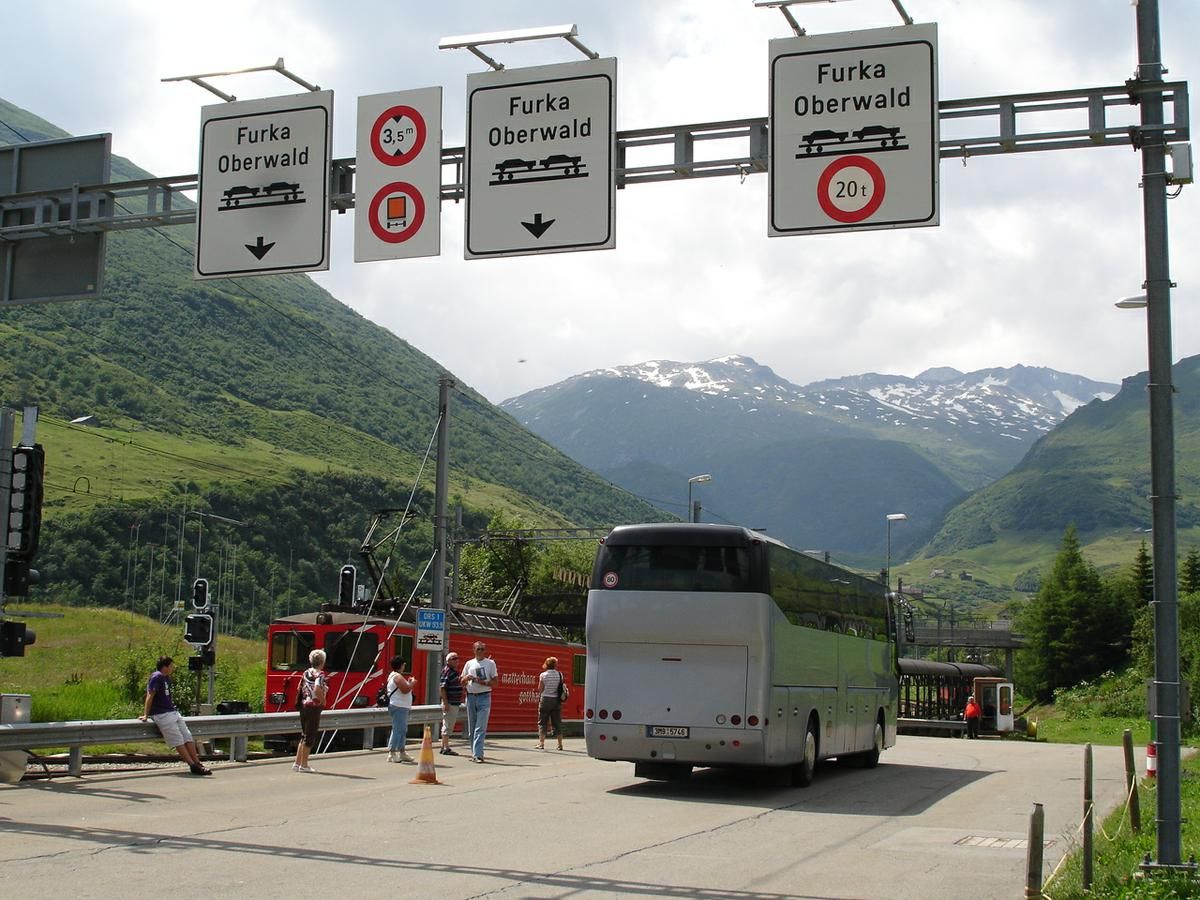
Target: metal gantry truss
1009,123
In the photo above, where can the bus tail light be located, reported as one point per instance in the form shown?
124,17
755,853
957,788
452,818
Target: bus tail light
735,719
752,721
616,714
736,743
589,713
604,713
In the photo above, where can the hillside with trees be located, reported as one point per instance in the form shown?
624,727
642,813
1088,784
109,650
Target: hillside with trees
244,429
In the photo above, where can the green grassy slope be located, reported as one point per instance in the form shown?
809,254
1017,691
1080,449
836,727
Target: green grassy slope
266,395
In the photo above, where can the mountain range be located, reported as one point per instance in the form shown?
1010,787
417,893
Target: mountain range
818,465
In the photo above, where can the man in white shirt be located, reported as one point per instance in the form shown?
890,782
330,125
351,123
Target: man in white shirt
479,675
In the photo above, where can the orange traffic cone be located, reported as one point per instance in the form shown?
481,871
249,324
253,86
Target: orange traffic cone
1151,760
426,771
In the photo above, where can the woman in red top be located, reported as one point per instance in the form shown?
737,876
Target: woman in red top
971,714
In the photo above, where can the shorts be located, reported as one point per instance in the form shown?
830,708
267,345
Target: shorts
310,718
550,715
174,729
449,719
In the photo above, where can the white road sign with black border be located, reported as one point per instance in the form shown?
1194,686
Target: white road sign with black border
540,160
264,186
854,131
398,175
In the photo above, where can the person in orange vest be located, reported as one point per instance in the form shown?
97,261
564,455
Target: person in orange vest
972,714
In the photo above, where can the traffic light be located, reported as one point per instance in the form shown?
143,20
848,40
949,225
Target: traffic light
200,594
18,576
25,502
198,629
346,584
14,638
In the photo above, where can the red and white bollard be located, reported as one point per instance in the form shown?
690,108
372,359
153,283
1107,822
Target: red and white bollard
1151,760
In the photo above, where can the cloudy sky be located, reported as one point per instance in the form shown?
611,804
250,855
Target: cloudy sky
1031,252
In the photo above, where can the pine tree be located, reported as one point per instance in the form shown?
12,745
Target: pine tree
1189,578
1077,626
1143,575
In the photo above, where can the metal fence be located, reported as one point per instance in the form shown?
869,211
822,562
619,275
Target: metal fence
76,735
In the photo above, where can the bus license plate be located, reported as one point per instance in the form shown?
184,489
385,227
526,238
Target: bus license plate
667,731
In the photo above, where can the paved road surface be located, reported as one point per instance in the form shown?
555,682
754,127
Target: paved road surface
938,818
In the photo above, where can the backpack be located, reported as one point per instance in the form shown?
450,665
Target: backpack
311,692
383,697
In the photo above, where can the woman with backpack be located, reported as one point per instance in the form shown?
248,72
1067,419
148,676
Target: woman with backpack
553,693
400,698
310,699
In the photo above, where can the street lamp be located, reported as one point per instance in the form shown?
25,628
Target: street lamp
695,479
887,569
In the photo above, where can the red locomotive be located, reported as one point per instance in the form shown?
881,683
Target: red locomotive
359,647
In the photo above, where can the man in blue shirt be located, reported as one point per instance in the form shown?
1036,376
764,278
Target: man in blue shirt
161,708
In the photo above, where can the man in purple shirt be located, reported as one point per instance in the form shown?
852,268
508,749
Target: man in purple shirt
161,708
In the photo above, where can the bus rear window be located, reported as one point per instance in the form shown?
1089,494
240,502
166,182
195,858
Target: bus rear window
672,568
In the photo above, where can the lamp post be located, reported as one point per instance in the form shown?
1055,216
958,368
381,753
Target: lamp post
887,568
695,479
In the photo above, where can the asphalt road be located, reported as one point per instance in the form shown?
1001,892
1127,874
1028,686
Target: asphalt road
938,818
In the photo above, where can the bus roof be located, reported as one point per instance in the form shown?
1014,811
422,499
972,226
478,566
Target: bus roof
685,534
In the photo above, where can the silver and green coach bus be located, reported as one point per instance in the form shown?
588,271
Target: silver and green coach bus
714,645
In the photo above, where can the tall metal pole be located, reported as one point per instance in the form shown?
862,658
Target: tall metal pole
887,566
433,668
6,444
1162,433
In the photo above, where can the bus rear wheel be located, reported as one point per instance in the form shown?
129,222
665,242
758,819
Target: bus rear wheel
662,771
803,771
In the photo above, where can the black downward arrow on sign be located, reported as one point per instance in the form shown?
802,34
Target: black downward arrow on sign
260,249
537,227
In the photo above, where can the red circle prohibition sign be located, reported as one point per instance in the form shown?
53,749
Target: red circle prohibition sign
412,219
394,115
878,189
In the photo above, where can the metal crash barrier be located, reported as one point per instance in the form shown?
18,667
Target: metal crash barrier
77,735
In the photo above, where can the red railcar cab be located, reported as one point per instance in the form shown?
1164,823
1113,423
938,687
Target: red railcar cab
359,648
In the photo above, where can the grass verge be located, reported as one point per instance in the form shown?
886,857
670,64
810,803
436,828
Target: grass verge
1119,852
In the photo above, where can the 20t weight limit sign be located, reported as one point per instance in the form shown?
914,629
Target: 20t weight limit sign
854,131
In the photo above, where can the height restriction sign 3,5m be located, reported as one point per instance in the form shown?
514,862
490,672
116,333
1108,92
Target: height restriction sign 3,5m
398,179
854,131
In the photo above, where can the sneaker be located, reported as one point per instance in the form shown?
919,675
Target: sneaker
405,758
309,769
539,747
295,767
446,751
200,770
477,759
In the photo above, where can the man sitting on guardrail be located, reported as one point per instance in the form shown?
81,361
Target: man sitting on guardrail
161,708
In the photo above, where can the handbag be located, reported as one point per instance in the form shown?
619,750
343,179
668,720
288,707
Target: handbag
563,691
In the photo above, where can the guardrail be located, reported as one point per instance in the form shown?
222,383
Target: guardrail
77,735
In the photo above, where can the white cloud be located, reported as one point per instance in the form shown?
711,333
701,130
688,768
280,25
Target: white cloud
1031,251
